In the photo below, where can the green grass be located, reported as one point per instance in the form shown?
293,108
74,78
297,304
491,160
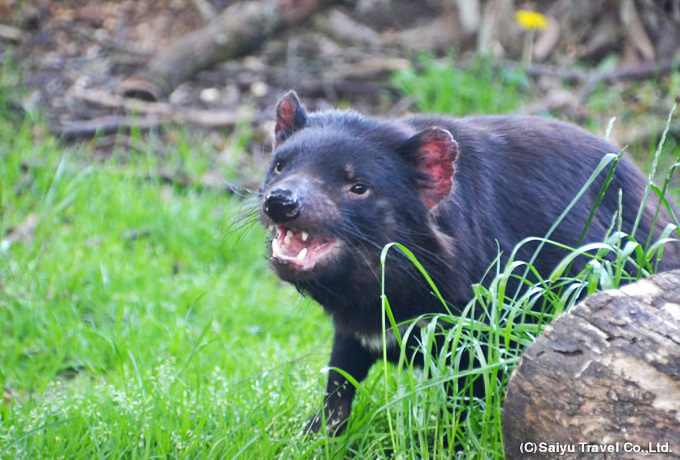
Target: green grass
136,318
139,319
442,88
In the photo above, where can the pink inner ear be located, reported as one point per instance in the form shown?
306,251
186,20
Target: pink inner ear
285,116
437,153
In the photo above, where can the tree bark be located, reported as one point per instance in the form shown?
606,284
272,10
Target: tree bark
602,381
237,31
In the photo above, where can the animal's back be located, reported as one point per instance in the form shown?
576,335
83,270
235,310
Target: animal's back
515,176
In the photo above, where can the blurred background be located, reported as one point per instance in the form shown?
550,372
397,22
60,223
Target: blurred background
218,63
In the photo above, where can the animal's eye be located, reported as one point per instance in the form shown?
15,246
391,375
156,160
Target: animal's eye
359,189
278,166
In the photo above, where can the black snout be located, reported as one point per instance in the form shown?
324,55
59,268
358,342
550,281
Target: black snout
281,205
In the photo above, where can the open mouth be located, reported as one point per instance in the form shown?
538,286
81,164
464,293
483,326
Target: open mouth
299,248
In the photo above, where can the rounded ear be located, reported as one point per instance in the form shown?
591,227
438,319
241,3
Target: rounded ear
291,116
432,152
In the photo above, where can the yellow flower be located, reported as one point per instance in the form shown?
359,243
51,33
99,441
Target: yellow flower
531,20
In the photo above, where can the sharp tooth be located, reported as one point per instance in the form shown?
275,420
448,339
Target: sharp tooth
271,228
305,236
288,237
276,247
301,256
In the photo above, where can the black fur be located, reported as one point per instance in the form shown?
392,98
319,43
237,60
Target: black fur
513,177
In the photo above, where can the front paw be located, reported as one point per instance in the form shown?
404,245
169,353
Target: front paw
336,422
313,425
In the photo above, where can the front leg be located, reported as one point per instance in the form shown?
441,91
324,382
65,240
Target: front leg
350,356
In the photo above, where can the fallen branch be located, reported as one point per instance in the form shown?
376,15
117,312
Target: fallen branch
105,125
567,75
592,80
162,112
639,72
239,30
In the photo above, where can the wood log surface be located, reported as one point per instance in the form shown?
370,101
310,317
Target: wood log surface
603,381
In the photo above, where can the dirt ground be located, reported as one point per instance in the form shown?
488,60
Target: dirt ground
68,46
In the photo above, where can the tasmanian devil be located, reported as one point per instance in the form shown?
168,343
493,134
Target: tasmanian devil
340,186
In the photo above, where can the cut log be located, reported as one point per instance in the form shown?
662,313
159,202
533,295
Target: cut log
239,30
602,381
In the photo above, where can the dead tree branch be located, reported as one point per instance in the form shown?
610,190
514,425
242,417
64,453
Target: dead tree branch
239,30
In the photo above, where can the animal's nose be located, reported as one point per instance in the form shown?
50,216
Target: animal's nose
281,205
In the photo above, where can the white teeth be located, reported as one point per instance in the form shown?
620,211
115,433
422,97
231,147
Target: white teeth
281,243
271,228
